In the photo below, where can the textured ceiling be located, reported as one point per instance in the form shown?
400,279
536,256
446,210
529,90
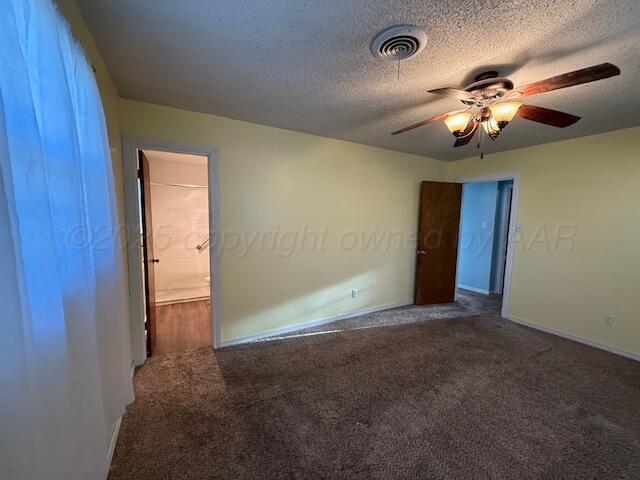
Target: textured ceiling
306,66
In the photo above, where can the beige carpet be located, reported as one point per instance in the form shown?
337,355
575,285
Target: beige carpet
477,397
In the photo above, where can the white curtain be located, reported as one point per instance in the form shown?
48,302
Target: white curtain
64,338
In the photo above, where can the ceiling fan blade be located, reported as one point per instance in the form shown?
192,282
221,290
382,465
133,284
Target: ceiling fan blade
577,77
437,118
468,134
454,93
547,116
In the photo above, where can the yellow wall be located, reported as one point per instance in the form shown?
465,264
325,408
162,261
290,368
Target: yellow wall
276,181
576,261
588,191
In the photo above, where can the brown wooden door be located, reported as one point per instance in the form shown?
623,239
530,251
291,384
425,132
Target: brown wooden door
437,252
148,257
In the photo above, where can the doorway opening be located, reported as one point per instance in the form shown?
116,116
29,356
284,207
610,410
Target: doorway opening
174,228
482,244
465,248
172,210
141,318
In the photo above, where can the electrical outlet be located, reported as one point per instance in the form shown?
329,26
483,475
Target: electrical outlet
354,293
609,321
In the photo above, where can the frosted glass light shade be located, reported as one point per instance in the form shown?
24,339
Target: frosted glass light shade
504,111
457,122
491,126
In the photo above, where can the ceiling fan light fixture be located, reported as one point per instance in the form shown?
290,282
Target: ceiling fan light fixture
504,111
485,105
491,127
457,123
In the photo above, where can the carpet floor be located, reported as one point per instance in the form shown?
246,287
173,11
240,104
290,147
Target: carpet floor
468,398
466,304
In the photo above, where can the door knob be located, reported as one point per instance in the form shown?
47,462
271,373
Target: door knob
155,260
422,252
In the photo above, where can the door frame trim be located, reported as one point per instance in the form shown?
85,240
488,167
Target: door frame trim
130,146
514,228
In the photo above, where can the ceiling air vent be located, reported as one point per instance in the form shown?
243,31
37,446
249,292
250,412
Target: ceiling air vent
398,43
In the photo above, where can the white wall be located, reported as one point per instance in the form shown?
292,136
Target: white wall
180,223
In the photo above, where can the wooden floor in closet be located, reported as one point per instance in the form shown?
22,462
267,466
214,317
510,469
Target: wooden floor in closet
183,326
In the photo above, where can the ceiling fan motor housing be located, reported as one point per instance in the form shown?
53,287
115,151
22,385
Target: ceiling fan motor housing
488,86
486,75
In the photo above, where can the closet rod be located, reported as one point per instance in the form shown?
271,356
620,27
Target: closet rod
185,185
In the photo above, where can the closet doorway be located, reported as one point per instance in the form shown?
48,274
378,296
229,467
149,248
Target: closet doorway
175,250
174,277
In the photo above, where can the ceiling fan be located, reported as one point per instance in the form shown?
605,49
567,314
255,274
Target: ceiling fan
492,102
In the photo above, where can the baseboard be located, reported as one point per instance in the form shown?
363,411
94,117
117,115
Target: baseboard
575,338
114,435
182,300
112,444
473,289
312,323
